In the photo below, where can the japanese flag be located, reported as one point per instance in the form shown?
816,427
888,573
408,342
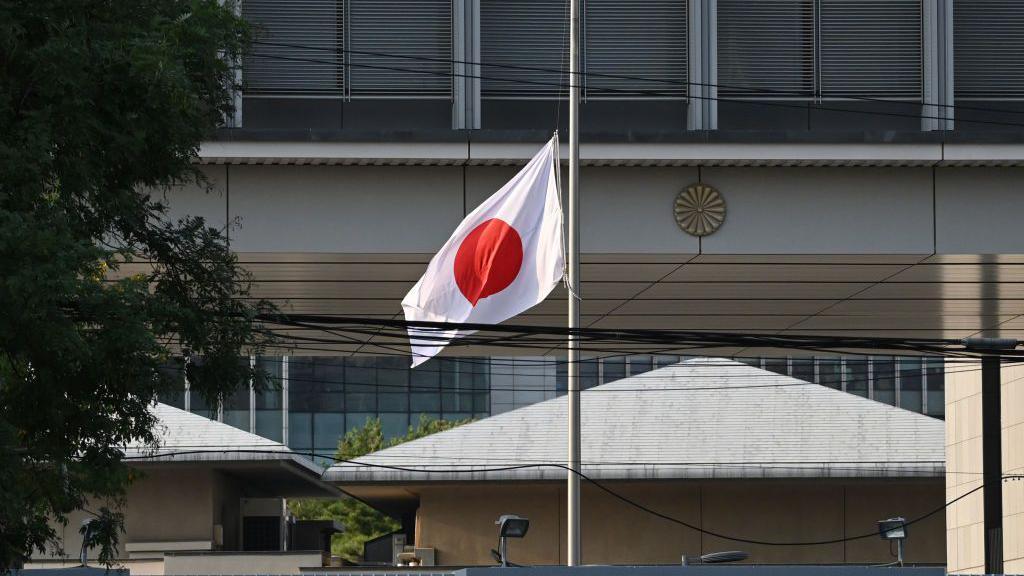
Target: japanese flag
504,258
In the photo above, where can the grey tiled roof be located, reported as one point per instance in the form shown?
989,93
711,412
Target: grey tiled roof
187,437
702,418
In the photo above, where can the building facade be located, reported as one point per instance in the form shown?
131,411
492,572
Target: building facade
869,154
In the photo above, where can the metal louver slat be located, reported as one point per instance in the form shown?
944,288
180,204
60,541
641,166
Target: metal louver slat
766,48
312,65
531,33
989,49
639,38
870,48
421,29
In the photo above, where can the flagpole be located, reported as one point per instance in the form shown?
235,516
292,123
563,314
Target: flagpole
573,269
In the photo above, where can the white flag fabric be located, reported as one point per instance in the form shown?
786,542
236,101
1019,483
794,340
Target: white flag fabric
504,258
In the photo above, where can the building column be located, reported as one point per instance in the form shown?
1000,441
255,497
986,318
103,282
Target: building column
466,53
702,54
937,55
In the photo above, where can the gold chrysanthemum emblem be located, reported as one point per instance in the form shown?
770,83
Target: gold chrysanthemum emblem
700,210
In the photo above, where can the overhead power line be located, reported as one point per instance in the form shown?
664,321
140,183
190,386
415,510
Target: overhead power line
597,484
749,90
660,94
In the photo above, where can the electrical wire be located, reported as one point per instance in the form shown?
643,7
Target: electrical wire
599,485
749,90
655,93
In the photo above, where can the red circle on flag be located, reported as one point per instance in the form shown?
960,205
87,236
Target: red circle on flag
488,260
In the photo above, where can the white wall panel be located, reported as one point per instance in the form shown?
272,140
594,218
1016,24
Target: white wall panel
979,210
823,211
344,208
193,200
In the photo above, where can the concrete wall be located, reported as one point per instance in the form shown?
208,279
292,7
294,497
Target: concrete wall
771,210
458,521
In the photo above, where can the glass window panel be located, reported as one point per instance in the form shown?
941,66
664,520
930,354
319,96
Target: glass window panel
268,424
357,420
884,376
315,384
639,365
856,372
269,369
173,397
360,374
614,369
172,390
749,361
936,382
236,408
452,416
425,402
392,374
777,365
588,373
561,375
393,402
361,401
665,360
910,384
327,430
414,419
425,376
394,425
300,430
199,404
803,368
449,373
830,373
482,402
481,374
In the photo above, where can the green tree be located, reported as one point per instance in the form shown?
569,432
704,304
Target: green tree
103,105
362,522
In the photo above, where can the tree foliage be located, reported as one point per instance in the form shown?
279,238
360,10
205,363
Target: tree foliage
103,105
362,522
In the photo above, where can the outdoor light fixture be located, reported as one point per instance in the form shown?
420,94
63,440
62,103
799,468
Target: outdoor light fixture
894,529
509,526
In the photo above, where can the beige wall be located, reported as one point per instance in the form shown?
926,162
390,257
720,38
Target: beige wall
965,530
458,520
171,505
965,519
1013,463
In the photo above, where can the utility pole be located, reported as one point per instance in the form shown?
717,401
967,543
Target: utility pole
573,488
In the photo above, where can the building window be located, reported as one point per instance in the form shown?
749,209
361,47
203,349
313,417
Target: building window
935,380
811,64
911,378
855,374
268,405
884,379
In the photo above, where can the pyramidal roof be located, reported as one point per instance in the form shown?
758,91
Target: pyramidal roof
701,418
186,437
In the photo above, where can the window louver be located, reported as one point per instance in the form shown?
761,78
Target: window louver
870,48
640,38
532,33
291,70
766,47
988,49
421,29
